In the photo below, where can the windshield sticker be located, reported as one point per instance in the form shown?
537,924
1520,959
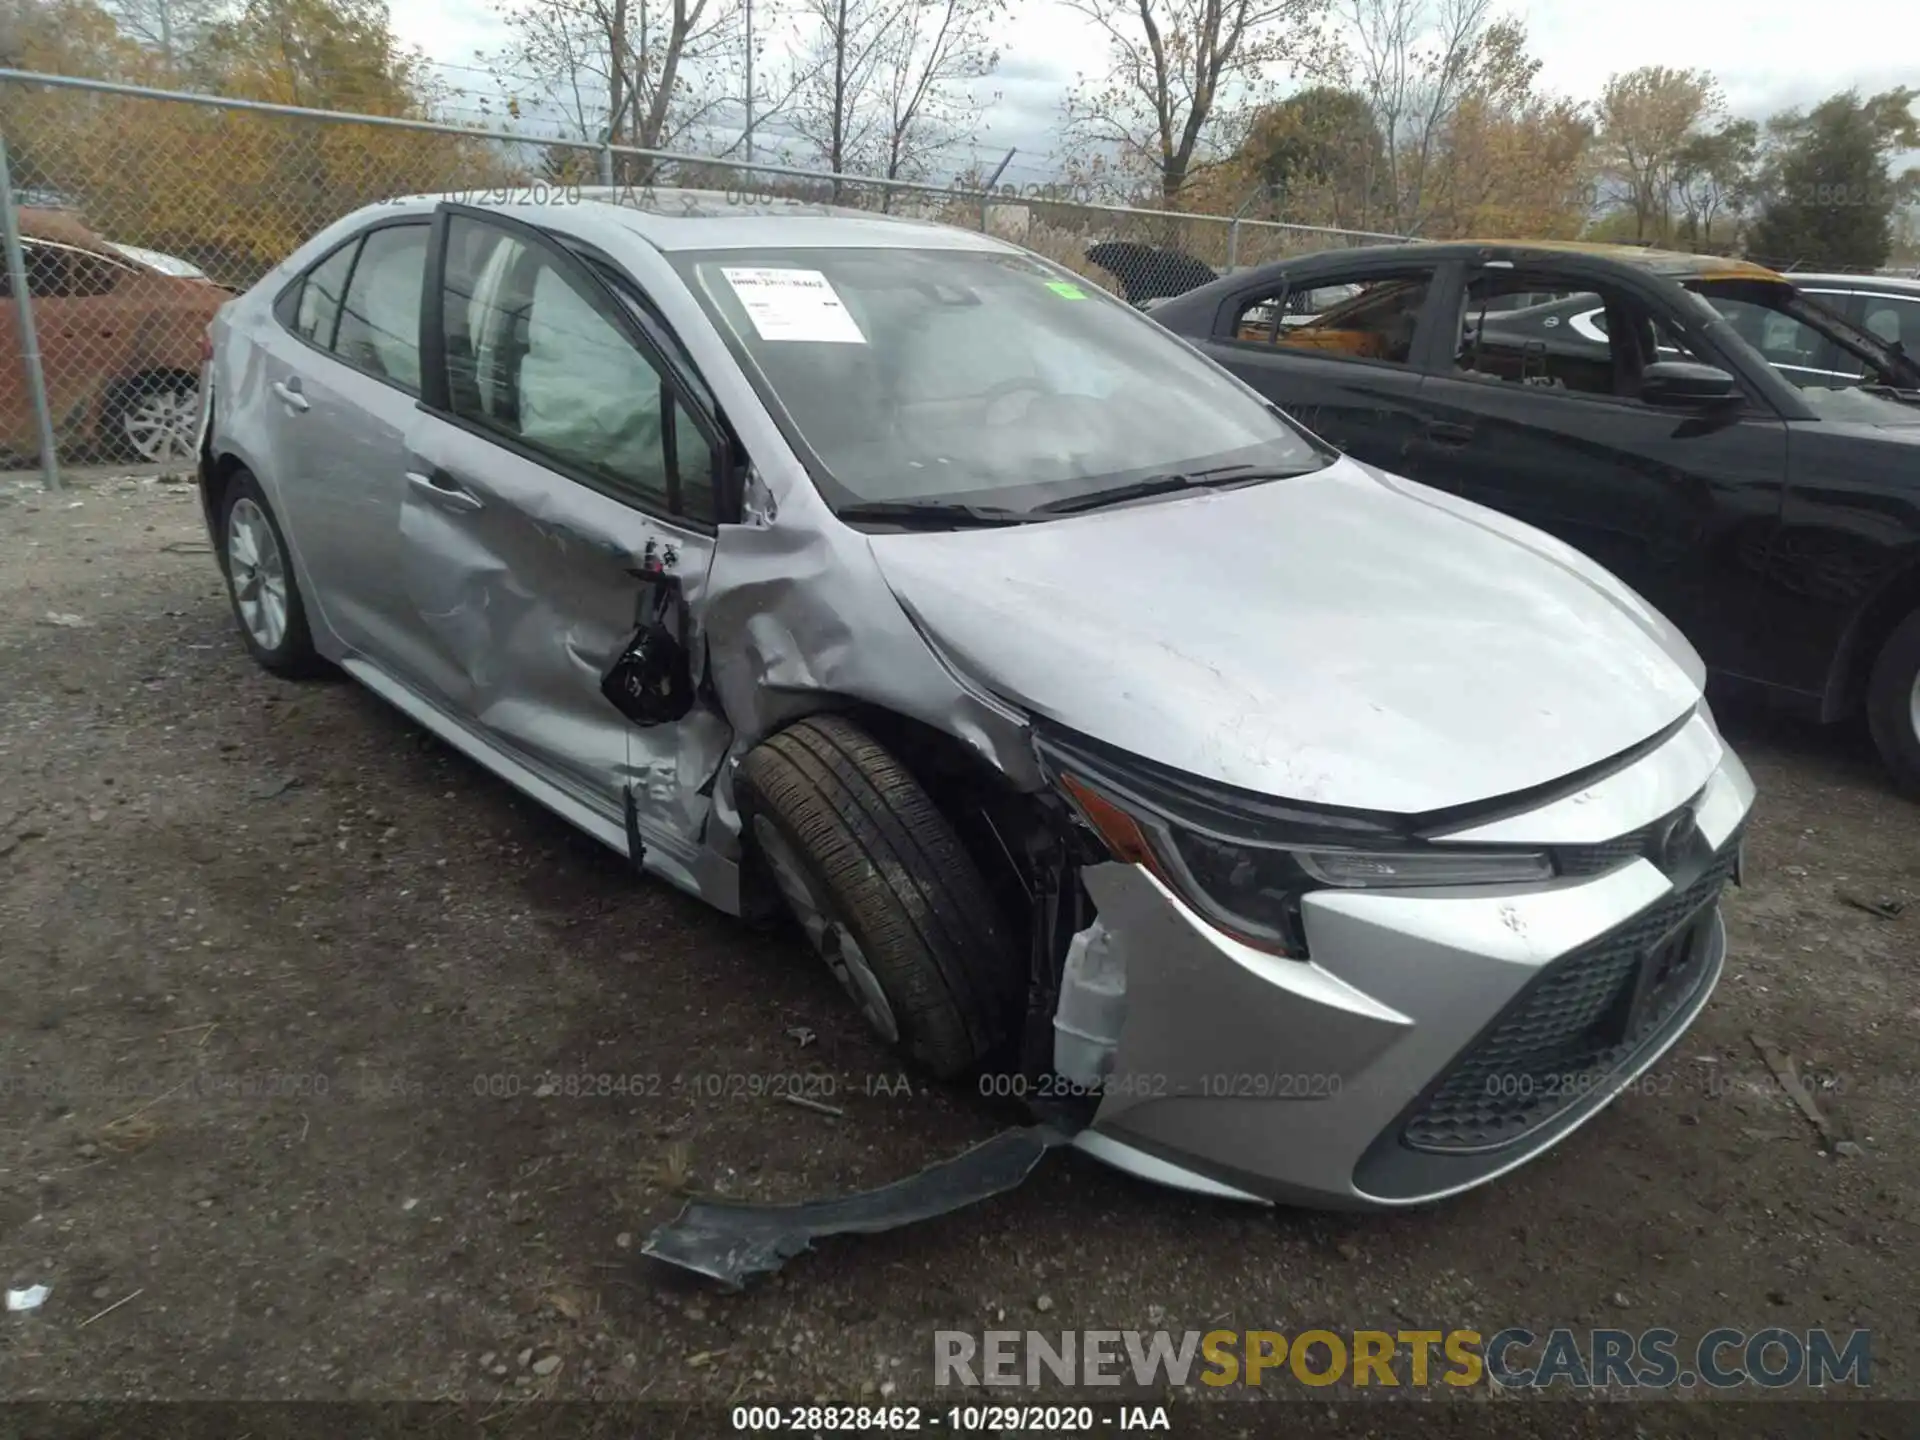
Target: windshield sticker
1066,290
793,305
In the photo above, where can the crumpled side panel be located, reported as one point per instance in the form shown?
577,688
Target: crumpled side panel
798,617
521,607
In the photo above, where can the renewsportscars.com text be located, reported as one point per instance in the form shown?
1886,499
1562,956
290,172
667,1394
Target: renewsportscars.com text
1513,1358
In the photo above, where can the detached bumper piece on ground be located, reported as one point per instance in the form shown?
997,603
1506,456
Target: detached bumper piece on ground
728,1243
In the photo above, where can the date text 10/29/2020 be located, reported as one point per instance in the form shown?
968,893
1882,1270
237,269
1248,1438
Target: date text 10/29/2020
953,1419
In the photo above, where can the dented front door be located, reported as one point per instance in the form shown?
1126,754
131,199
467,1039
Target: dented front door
556,483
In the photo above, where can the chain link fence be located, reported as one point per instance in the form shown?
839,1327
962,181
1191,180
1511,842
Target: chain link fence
138,212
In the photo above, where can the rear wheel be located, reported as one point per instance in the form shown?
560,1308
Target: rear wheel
1893,704
260,582
884,891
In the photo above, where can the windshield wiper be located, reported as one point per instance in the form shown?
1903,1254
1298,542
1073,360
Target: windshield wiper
931,513
1164,484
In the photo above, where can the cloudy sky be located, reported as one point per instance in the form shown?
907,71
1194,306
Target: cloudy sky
1763,51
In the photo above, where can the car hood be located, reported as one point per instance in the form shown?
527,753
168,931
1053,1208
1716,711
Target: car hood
1896,431
1346,638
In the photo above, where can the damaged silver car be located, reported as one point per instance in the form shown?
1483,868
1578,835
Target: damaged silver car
1276,827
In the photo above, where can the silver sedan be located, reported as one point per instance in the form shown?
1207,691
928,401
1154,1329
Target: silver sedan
1276,826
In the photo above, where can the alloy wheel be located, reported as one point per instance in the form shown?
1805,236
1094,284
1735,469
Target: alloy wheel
258,573
160,424
831,939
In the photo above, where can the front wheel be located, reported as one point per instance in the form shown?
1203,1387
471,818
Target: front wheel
884,891
1893,704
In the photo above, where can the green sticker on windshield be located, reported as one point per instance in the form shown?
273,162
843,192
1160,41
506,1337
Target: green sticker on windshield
1066,290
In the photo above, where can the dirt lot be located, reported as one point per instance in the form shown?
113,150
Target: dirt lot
295,1002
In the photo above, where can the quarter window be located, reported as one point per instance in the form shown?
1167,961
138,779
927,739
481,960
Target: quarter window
318,310
536,359
1894,319
380,316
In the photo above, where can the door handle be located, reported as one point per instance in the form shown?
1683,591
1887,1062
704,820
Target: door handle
291,395
1441,432
444,490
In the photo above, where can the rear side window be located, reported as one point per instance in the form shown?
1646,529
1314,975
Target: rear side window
1369,319
1798,351
88,275
46,270
1894,319
380,317
318,310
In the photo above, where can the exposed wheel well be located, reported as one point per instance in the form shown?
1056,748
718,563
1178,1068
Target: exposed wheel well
992,816
216,472
1027,847
1847,682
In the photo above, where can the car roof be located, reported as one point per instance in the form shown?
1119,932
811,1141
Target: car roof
672,218
1675,264
1889,284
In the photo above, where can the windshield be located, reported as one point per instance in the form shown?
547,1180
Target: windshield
1816,348
976,377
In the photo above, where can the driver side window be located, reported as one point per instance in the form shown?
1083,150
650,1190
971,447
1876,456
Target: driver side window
537,360
1590,342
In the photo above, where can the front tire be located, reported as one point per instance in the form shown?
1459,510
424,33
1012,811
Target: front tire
260,582
884,890
1893,704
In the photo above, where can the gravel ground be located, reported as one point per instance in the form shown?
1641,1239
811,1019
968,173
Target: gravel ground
296,1006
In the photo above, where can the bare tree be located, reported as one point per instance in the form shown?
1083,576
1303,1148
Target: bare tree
848,44
1648,117
652,74
1184,79
938,49
1714,174
169,27
887,84
1416,62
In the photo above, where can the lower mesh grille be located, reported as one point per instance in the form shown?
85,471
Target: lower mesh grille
1560,1039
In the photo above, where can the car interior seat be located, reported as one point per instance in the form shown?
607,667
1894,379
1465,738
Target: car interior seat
1630,343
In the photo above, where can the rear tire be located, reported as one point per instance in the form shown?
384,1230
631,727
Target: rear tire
884,890
1893,704
261,584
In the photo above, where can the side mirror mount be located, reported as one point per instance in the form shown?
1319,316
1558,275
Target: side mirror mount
1684,385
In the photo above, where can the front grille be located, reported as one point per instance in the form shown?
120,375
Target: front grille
1561,1038
1594,859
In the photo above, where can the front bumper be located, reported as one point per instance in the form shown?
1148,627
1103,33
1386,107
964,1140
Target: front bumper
1436,1038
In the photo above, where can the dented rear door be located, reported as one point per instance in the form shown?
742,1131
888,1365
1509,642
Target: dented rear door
558,476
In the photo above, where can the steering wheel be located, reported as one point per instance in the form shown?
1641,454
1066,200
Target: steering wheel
1005,390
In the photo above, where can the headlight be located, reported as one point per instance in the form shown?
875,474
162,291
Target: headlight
1246,868
1361,869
